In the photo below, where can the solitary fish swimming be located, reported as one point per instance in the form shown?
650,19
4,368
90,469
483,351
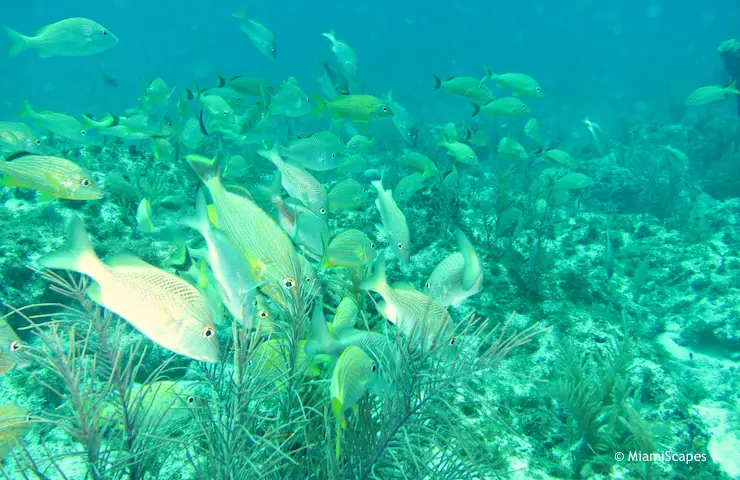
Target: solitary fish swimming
162,306
73,37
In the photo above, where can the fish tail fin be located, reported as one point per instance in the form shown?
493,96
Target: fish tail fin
200,221
27,110
732,88
273,154
18,42
489,74
240,14
220,81
437,82
206,168
320,104
377,281
476,109
321,342
471,269
79,256
331,36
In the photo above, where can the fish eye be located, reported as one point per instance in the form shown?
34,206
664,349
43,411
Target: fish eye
105,32
333,155
15,345
263,314
288,283
85,182
239,99
208,332
225,113
471,157
428,285
453,340
255,303
538,89
37,142
404,156
250,363
374,368
322,210
309,279
308,99
400,245
385,109
523,106
372,245
29,417
83,133
191,400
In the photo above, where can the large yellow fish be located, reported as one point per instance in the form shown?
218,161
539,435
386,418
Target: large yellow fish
256,235
52,177
162,306
72,37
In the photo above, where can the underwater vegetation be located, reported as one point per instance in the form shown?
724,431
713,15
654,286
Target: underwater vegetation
246,279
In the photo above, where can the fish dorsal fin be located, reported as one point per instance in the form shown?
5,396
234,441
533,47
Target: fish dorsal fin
127,260
239,190
17,155
403,286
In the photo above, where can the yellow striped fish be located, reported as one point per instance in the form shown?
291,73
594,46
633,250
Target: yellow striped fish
345,316
271,359
346,195
11,349
350,248
353,373
256,235
157,403
162,306
15,423
60,124
51,177
264,319
415,314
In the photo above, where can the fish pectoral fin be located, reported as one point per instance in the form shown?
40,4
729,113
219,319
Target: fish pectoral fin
94,292
381,230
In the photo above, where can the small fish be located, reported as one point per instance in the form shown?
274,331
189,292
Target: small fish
405,124
458,276
218,108
450,181
72,37
560,157
360,144
252,86
461,152
229,95
12,356
57,123
351,377
156,92
469,87
299,183
260,35
346,195
319,151
236,280
251,229
532,131
518,83
711,94
573,181
19,137
346,57
348,249
193,133
678,156
51,177
345,316
415,314
417,162
164,151
15,423
409,185
263,317
337,80
144,216
353,163
508,147
162,306
479,138
160,404
290,100
360,108
107,79
394,226
503,107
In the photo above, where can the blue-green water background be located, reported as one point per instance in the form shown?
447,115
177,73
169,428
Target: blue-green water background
606,58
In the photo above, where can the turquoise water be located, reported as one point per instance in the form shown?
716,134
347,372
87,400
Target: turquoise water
613,242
